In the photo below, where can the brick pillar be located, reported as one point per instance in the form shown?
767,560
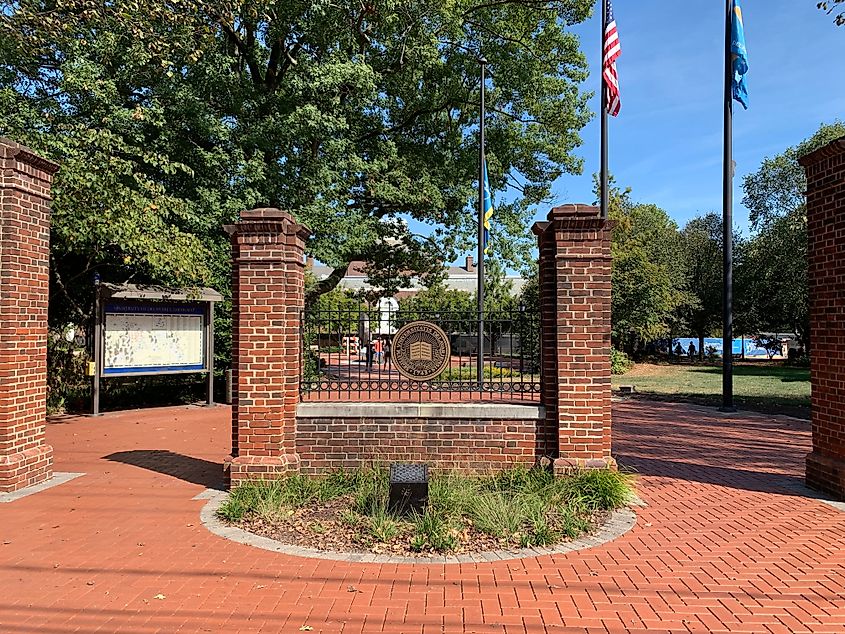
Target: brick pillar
268,296
826,271
575,268
25,179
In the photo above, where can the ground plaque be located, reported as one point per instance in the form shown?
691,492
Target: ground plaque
420,351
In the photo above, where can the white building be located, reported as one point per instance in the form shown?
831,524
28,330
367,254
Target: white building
459,278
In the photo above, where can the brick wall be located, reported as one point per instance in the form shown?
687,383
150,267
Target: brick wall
466,437
825,170
25,180
575,285
268,299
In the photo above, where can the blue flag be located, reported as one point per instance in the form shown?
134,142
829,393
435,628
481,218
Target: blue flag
488,208
739,57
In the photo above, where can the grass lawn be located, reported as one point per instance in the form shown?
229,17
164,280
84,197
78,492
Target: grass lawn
348,510
760,386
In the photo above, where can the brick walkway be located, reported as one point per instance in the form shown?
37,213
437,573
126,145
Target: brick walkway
727,543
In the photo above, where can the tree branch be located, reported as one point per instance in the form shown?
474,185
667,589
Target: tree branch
243,49
61,286
538,4
273,64
326,285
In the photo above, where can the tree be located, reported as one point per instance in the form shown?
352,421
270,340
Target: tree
498,290
830,7
701,252
337,310
528,322
439,299
648,282
775,267
169,117
771,344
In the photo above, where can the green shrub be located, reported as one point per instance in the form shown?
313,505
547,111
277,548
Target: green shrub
271,499
432,529
601,489
383,525
620,362
497,513
469,374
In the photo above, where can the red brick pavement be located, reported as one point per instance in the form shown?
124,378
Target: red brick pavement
725,544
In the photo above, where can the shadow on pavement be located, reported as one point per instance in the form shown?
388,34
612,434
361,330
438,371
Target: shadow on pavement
195,470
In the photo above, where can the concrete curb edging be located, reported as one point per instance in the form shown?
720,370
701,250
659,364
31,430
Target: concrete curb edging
620,522
59,477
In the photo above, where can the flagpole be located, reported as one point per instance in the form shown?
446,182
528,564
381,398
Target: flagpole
604,177
727,224
480,294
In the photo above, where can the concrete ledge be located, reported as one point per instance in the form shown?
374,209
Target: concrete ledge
57,479
465,411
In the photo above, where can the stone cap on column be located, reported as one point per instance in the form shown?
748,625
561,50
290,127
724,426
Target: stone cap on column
574,210
268,220
572,215
13,150
825,152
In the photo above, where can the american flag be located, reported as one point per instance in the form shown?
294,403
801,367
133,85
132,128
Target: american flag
612,50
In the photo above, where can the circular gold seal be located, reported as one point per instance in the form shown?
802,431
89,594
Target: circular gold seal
420,351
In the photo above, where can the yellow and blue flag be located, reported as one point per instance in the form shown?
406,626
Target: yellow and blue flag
739,57
488,208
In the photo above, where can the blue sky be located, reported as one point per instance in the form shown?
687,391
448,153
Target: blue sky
666,144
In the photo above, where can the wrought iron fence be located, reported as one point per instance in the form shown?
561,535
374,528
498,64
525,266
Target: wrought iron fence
348,356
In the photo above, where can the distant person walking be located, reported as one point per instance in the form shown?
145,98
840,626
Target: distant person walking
679,351
364,337
691,350
387,352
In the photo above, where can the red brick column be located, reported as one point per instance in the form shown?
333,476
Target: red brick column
575,268
25,179
826,259
268,297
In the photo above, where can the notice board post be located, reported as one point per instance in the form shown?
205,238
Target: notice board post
152,330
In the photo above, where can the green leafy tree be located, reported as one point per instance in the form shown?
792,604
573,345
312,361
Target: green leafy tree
528,321
499,296
775,266
701,252
336,310
500,302
171,116
648,281
439,299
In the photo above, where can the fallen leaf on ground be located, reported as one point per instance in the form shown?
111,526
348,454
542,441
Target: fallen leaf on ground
306,628
160,597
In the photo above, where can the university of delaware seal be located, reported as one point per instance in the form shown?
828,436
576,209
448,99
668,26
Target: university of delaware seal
420,351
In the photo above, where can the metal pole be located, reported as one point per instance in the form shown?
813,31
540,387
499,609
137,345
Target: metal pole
727,225
604,170
481,167
209,352
98,348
